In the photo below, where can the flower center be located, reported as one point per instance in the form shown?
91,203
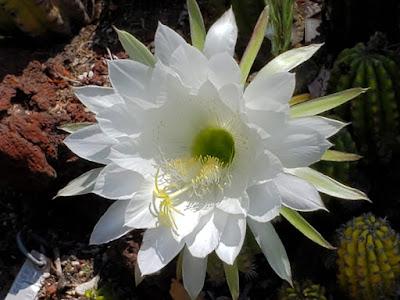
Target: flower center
214,142
204,172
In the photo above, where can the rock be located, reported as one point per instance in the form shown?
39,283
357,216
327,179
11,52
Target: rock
32,107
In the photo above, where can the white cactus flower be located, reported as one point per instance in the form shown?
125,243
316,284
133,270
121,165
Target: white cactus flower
193,156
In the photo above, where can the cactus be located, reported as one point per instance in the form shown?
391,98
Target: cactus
375,116
304,291
368,258
341,171
40,17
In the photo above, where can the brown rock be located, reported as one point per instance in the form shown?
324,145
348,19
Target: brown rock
32,107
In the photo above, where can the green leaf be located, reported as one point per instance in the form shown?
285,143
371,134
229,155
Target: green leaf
304,227
290,59
135,49
328,185
319,105
72,127
333,155
197,28
232,278
81,185
254,44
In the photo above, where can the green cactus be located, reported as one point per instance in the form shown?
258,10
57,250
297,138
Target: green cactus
341,171
302,291
375,115
368,258
40,17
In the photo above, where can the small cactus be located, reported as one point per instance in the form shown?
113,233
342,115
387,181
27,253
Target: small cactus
368,258
302,291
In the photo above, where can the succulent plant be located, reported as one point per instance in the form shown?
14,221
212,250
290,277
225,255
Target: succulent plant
368,258
375,116
302,291
40,17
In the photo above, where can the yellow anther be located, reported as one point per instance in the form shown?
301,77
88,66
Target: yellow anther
166,206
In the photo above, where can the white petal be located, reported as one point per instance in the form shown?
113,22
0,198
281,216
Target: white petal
90,143
297,146
129,78
233,205
111,224
193,273
232,239
190,64
265,201
120,120
166,41
266,166
158,248
290,59
272,247
232,96
97,98
83,184
115,182
223,70
126,155
187,219
267,92
222,35
205,238
138,213
268,121
325,126
298,194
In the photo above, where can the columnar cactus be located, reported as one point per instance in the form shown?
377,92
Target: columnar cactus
375,116
368,258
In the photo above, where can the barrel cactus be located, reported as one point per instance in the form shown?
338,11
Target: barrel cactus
40,17
368,258
302,291
375,116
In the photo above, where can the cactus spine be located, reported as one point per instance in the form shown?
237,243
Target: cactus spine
302,291
375,116
368,258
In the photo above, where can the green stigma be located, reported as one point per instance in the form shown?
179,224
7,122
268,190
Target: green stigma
214,142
